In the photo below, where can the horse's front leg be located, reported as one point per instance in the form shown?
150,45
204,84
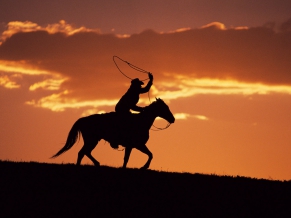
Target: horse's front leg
126,156
145,150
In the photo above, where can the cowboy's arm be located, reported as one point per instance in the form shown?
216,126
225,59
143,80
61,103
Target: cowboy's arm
148,86
137,108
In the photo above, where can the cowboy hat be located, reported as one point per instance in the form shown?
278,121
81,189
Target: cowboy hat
136,81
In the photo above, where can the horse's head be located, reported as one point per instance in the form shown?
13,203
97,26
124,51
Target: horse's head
163,110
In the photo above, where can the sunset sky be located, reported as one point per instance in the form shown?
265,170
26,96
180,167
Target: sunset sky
223,67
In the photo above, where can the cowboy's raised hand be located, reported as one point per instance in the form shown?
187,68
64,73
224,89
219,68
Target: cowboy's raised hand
151,76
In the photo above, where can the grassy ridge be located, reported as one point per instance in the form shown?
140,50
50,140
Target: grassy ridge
53,190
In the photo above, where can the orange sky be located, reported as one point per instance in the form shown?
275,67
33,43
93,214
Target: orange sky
228,86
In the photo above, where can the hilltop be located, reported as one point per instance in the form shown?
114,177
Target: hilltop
55,190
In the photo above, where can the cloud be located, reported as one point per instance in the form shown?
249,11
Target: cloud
28,26
76,63
215,25
184,116
190,86
59,102
48,84
7,82
21,67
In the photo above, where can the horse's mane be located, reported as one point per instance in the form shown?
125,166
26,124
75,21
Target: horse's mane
146,108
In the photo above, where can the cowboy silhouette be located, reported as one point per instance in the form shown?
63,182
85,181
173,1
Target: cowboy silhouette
129,100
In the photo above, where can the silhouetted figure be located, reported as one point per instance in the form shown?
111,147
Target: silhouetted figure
129,100
131,134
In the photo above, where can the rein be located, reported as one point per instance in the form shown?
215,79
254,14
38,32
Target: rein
142,71
159,129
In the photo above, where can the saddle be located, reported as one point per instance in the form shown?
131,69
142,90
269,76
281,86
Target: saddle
118,117
121,124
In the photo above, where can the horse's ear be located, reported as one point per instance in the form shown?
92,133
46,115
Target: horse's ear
156,98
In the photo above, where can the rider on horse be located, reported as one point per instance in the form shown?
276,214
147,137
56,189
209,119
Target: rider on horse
129,100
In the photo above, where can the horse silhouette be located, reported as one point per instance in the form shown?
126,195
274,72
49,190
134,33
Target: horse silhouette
130,131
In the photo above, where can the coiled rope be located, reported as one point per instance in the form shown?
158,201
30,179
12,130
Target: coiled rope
130,65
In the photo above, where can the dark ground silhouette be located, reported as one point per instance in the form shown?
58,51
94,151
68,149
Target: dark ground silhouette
52,190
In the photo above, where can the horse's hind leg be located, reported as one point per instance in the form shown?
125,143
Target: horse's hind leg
126,156
86,150
96,163
81,155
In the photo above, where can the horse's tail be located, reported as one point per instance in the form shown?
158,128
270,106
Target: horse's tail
72,138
